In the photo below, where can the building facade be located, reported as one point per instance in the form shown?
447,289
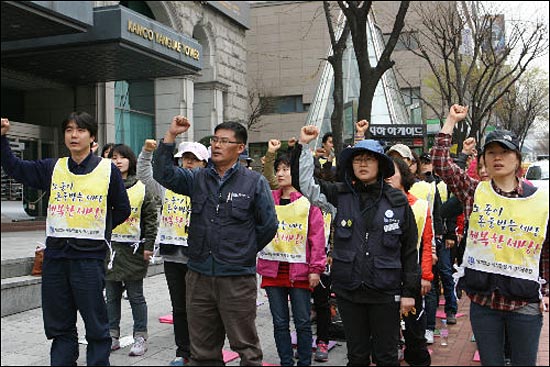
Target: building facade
133,65
288,43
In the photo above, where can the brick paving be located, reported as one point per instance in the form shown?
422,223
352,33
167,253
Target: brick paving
461,349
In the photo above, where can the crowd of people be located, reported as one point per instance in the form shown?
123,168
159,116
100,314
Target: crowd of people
385,230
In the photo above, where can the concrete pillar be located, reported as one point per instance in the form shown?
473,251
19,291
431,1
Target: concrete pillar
174,96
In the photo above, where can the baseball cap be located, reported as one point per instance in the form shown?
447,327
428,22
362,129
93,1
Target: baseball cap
403,150
426,157
197,149
506,138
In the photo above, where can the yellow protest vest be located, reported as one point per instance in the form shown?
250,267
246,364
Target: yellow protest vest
289,244
505,235
174,219
443,191
77,206
425,191
327,219
322,161
420,209
130,230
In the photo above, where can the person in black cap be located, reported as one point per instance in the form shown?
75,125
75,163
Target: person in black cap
506,260
375,272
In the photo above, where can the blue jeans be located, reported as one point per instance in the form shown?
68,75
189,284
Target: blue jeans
442,271
69,285
523,334
301,308
137,302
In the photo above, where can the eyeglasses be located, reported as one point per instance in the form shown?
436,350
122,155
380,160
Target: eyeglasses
222,141
361,160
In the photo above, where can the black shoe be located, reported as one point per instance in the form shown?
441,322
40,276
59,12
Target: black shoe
451,318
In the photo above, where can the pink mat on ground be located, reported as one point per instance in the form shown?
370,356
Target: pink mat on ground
476,357
294,341
442,315
167,319
229,355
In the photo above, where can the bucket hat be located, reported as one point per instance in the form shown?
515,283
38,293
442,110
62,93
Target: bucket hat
385,163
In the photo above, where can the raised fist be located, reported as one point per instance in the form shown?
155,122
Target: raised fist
308,133
292,142
180,124
361,127
5,126
273,145
469,146
458,112
150,145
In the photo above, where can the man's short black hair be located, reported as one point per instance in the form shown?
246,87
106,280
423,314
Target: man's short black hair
240,131
83,120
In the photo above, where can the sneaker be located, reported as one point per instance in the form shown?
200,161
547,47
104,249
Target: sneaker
115,343
139,348
451,319
429,336
321,354
179,361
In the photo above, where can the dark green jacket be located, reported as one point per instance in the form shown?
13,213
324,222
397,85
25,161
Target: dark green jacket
126,264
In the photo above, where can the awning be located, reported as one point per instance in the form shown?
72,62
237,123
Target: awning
31,19
121,45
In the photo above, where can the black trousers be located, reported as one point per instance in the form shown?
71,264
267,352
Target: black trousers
370,329
321,296
175,277
416,349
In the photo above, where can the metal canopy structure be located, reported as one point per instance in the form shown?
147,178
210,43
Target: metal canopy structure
121,45
388,106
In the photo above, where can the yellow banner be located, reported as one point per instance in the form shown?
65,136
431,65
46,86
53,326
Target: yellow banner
420,209
174,219
78,203
130,230
290,242
425,191
505,235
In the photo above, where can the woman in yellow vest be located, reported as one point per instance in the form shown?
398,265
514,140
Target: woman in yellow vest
132,246
506,260
291,265
416,350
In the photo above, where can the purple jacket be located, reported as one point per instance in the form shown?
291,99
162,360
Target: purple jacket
315,248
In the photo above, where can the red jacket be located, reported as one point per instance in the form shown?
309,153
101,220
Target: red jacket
427,238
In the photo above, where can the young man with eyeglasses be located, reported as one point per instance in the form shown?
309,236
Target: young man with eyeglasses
233,218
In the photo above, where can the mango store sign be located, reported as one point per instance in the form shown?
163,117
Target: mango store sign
170,43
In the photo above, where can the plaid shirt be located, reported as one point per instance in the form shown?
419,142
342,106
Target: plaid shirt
464,187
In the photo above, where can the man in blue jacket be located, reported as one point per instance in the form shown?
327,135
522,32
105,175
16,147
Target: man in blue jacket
87,199
233,217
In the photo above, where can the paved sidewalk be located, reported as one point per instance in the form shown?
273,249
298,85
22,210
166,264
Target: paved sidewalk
24,343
